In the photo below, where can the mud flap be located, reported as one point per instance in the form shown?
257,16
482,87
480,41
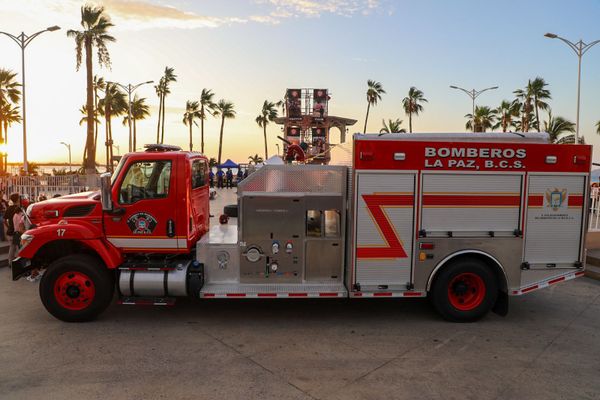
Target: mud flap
501,306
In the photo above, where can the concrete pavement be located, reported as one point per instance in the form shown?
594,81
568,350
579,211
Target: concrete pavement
548,347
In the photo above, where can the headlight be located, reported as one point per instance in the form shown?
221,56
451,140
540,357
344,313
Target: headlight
26,238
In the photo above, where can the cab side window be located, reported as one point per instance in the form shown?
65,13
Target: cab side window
199,173
145,180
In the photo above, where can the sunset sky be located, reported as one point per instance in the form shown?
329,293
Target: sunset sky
249,51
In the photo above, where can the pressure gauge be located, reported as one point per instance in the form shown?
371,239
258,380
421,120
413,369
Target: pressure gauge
253,254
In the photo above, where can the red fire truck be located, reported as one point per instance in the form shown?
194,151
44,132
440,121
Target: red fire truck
466,219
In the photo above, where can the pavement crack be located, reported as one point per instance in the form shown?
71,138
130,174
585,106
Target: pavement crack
253,361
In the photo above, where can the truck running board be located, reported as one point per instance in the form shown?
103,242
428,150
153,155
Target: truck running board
292,291
147,301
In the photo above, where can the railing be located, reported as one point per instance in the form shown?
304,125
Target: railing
594,223
34,186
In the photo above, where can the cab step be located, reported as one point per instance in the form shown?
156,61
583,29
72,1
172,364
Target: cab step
147,301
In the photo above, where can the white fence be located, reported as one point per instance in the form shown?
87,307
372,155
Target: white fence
33,186
594,223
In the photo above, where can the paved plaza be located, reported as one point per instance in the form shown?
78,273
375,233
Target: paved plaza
548,347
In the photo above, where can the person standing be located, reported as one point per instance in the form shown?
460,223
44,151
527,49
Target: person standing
14,204
220,178
211,177
3,207
229,178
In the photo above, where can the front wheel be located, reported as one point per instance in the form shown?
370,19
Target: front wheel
76,288
464,290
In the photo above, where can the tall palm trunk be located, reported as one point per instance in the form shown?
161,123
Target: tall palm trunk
159,117
162,131
110,141
537,114
221,140
95,119
367,116
191,144
134,135
202,131
107,143
90,160
265,135
410,122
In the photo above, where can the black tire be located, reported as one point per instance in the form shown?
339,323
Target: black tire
465,290
66,276
231,210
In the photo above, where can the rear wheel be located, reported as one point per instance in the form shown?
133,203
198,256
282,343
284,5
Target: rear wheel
465,290
76,288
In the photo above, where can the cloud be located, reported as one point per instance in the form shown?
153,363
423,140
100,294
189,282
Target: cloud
315,8
142,14
149,14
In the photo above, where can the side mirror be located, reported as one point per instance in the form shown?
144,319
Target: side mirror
105,193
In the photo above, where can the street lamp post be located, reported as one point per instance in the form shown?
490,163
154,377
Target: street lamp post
130,89
473,94
23,40
580,48
68,148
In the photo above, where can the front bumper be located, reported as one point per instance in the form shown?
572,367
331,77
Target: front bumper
21,267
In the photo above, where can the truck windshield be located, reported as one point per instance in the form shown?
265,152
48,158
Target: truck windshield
118,170
145,180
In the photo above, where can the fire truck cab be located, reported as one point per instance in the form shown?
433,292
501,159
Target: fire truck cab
467,219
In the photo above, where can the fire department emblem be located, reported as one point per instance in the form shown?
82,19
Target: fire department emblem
556,198
141,223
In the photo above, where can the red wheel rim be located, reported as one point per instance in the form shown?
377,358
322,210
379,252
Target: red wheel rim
74,290
466,291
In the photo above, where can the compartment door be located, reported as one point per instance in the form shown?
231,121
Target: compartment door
384,228
555,222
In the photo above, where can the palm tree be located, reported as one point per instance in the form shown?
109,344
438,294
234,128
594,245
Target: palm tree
598,127
95,25
98,84
538,91
224,109
206,106
374,92
84,115
483,119
505,113
9,88
9,114
162,90
256,159
113,104
525,98
192,112
557,126
267,114
10,95
392,126
139,110
411,104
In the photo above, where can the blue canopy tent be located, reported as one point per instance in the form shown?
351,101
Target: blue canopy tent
229,164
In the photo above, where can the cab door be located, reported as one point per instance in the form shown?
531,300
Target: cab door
144,215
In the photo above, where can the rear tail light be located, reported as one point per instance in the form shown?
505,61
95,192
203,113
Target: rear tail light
426,246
